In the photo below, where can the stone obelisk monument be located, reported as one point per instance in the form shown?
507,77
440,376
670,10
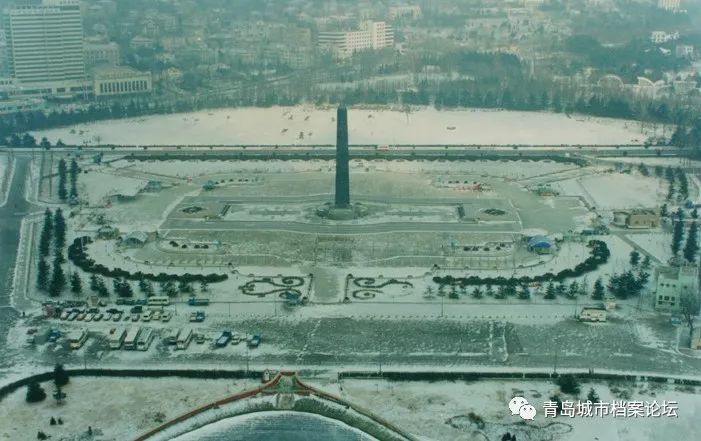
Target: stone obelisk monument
342,199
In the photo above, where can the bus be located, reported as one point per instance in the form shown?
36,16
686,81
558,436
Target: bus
172,336
184,339
130,339
159,301
145,338
77,338
116,337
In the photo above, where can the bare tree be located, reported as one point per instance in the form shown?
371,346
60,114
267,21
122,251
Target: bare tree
689,305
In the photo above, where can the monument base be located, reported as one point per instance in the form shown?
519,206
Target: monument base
353,211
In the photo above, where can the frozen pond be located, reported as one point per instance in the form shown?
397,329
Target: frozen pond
310,125
278,426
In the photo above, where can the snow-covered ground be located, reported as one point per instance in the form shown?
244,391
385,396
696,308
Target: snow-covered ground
5,172
120,409
658,244
439,410
503,168
616,190
310,125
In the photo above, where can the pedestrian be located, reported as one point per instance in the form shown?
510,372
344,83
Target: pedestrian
90,430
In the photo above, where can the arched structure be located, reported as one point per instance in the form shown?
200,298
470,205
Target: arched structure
286,392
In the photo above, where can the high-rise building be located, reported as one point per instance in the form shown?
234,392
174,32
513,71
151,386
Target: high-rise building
669,5
370,35
45,45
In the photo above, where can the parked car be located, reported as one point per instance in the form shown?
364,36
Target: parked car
116,316
81,316
200,338
223,339
64,315
166,316
197,316
107,316
255,341
72,316
97,317
53,336
135,317
235,338
146,316
156,315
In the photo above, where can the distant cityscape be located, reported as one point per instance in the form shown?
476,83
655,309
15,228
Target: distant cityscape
163,56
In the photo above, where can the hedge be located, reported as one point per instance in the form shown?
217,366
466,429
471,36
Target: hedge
77,255
599,255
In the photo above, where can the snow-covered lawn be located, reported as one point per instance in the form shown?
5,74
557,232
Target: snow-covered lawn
658,244
120,409
616,190
438,411
309,125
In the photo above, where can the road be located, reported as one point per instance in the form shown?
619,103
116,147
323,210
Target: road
11,220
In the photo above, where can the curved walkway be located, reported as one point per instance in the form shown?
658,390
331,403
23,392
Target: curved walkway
276,386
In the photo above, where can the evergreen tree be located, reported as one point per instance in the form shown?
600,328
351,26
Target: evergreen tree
598,293
646,263
550,292
453,292
76,283
489,292
477,293
677,237
501,292
46,232
94,282
61,377
569,384
694,213
59,395
42,275
169,289
186,287
59,230
62,194
122,288
626,284
560,289
146,287
691,248
102,290
593,396
573,290
634,258
664,212
524,293
35,393
74,178
58,279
